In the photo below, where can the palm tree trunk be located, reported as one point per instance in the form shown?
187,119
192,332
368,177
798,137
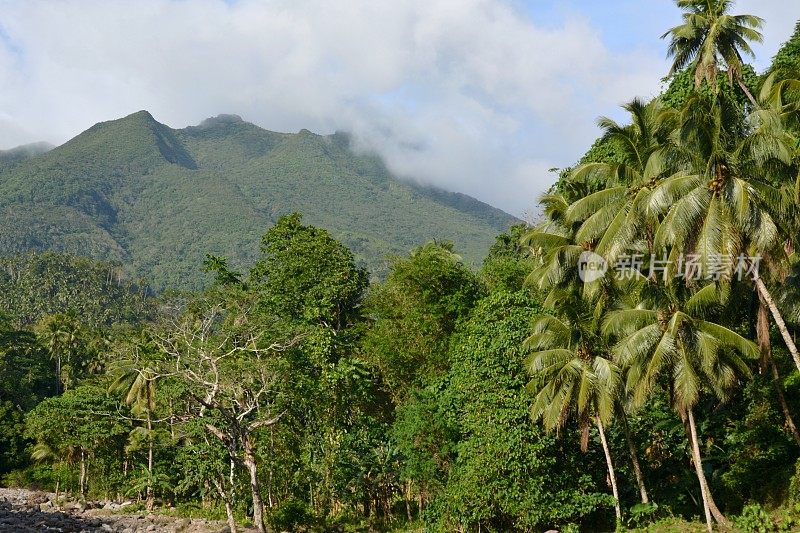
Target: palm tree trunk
787,415
252,468
767,362
58,373
611,474
698,468
637,470
747,92
709,505
151,499
776,315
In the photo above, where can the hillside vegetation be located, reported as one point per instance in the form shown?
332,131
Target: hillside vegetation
157,200
295,393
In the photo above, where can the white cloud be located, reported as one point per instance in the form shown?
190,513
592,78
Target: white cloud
467,94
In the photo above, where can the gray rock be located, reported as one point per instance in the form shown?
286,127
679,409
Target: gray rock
46,506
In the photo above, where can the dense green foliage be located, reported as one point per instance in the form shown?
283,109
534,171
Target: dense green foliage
35,285
157,200
295,393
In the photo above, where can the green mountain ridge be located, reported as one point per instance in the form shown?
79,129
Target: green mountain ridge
157,199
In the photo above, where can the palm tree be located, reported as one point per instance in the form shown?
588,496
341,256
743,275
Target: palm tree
553,243
711,38
570,375
137,383
61,336
667,337
616,216
720,203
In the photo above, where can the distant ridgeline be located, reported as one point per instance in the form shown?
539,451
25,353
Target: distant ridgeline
156,199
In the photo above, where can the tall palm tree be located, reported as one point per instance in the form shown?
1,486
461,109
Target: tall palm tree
721,202
616,216
138,386
61,335
665,336
710,38
553,243
571,375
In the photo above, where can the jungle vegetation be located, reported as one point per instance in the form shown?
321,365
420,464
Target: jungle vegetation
296,392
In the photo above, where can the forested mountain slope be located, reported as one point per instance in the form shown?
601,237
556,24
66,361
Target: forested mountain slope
158,199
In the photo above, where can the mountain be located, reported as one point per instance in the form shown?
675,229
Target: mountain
25,151
158,199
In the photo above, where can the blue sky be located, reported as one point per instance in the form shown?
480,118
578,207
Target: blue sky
477,96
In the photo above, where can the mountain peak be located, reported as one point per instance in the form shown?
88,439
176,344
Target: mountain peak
135,141
159,199
144,113
221,120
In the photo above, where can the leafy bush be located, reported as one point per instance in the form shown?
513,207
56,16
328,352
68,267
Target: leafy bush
754,519
794,485
290,515
642,513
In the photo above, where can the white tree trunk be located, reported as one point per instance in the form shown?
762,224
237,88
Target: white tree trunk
151,498
776,314
637,470
252,468
611,474
698,468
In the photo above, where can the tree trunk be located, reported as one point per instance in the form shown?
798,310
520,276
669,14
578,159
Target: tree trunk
151,498
611,474
776,315
762,335
252,468
767,362
219,484
698,468
635,460
407,498
272,456
787,415
231,518
82,482
709,505
747,92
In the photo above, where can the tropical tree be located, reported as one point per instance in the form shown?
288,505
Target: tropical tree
616,216
710,39
666,336
232,368
73,428
136,382
572,375
720,205
415,311
555,247
62,335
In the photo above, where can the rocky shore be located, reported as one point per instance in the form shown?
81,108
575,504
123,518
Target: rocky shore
27,511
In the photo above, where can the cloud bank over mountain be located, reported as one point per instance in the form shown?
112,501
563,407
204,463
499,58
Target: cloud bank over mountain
478,96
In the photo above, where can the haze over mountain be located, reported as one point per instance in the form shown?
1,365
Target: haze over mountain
158,199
